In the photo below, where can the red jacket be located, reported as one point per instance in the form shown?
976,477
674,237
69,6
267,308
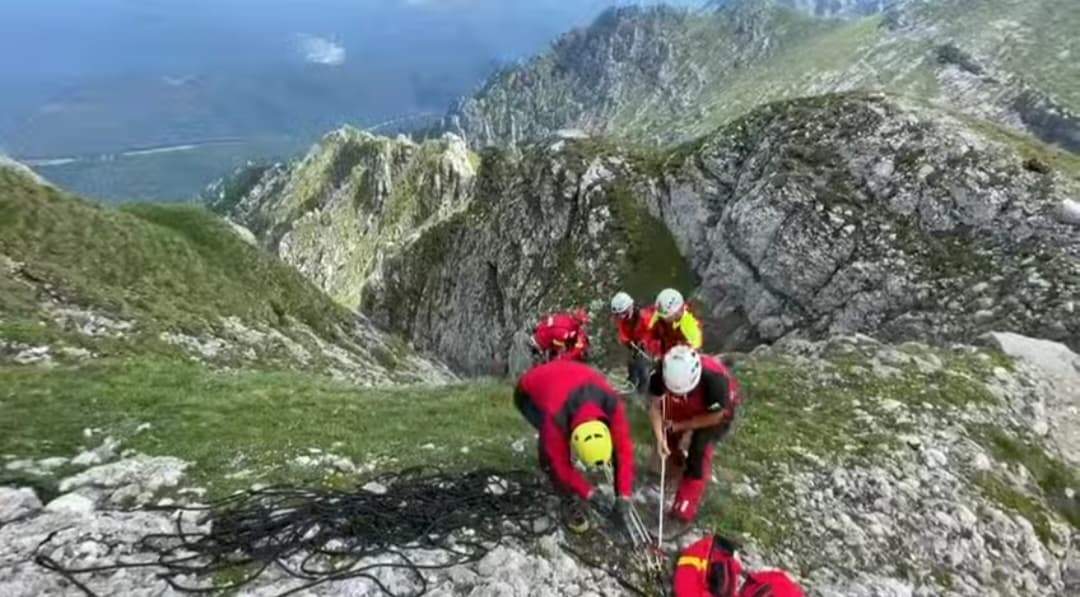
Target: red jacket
669,334
562,336
712,568
567,394
717,390
635,330
707,568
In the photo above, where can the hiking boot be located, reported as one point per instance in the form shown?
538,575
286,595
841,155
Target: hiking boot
688,499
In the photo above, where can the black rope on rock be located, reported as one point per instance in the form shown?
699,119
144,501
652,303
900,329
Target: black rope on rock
319,536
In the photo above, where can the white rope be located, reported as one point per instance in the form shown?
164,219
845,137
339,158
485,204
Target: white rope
663,470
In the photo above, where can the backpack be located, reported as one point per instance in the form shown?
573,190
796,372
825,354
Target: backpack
770,583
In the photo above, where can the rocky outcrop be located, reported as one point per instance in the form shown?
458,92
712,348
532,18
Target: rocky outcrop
1060,369
17,503
860,213
481,253
837,214
864,468
353,198
944,493
659,75
550,228
629,57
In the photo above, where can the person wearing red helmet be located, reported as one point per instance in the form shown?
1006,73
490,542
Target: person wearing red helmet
634,333
577,413
694,396
562,336
711,568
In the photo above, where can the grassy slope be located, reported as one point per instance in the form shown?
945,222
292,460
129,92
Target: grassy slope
1035,40
245,427
795,415
167,267
231,422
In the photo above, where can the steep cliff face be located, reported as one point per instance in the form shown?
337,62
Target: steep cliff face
482,253
551,227
351,199
659,75
827,215
860,213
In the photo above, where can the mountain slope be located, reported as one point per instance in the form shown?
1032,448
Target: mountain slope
373,192
819,216
863,213
863,468
83,281
662,75
455,250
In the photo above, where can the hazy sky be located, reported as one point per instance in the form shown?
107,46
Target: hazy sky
49,39
79,72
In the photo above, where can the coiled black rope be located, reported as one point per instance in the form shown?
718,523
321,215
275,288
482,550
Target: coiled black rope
319,535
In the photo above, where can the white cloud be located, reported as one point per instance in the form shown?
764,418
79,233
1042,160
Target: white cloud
321,50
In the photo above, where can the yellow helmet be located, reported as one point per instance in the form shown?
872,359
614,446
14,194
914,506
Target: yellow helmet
592,443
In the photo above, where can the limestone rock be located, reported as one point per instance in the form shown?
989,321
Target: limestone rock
17,503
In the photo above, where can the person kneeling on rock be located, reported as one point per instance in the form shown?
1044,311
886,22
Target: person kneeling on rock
573,407
711,568
694,399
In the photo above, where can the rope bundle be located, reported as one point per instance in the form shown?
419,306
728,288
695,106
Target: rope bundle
317,536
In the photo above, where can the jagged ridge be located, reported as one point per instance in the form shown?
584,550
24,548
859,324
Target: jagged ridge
662,75
826,215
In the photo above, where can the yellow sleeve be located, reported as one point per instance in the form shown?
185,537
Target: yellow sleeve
691,330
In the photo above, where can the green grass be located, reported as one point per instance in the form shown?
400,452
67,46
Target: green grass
228,422
1052,476
998,491
653,260
792,412
168,266
1033,151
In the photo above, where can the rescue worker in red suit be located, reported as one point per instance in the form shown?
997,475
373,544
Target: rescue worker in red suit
562,336
711,568
574,407
673,323
634,333
693,395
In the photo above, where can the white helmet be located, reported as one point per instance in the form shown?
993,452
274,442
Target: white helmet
669,302
682,370
621,303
